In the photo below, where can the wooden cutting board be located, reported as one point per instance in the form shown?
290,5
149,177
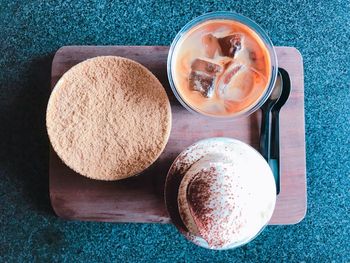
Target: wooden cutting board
140,199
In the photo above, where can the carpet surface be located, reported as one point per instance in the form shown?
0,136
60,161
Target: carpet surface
31,31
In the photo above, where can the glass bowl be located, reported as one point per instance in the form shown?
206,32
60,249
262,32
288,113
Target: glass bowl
224,15
195,153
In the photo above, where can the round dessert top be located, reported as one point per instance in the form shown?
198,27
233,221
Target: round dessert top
227,192
108,118
221,67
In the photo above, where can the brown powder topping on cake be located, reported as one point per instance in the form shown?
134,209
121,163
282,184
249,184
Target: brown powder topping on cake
108,118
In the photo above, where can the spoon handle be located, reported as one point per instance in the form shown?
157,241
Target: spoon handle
275,135
275,158
265,133
275,148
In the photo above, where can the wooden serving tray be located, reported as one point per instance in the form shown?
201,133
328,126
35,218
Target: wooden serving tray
140,199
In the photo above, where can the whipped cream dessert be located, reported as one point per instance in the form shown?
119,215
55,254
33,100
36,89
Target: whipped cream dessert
226,193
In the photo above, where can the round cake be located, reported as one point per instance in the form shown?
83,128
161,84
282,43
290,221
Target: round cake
108,118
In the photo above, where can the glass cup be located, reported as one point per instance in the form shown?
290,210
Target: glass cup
223,15
198,153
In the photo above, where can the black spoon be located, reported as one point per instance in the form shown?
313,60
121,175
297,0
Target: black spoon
275,159
266,108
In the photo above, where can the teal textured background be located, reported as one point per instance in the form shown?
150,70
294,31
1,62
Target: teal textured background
31,31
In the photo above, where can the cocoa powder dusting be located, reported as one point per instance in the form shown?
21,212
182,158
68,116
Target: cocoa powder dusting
108,118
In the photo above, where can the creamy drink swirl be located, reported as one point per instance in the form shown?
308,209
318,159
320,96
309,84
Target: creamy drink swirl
227,193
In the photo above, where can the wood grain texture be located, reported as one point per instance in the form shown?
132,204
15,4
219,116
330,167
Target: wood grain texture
140,199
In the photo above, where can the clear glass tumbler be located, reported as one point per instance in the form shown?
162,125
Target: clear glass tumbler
225,16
